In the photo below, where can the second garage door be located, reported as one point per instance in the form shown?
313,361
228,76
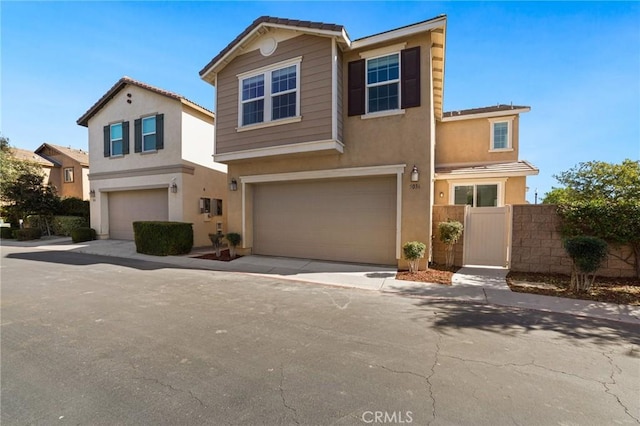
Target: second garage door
348,220
125,207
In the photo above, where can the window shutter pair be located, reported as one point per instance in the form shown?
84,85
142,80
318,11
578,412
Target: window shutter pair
409,82
125,139
137,127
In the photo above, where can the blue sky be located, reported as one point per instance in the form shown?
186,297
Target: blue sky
576,64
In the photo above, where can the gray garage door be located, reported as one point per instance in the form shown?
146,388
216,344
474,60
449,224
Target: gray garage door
125,207
349,220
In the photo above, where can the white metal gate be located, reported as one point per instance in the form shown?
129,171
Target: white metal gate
487,236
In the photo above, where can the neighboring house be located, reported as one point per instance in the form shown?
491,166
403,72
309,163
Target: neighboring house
32,157
331,141
150,153
477,157
70,171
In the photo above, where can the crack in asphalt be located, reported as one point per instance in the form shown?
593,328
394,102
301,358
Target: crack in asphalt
151,379
284,401
607,390
433,372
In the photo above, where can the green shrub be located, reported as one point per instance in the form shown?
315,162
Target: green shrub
450,233
413,252
163,238
73,206
83,234
27,234
587,254
36,221
216,241
7,233
64,225
234,239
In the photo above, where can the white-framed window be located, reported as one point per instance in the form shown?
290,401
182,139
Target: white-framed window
501,134
116,141
477,194
149,133
270,94
383,83
68,174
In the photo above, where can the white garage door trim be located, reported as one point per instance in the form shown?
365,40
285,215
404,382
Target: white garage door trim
395,169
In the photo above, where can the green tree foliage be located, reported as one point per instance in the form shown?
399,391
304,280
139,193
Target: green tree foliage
413,252
12,167
602,200
587,254
28,195
450,233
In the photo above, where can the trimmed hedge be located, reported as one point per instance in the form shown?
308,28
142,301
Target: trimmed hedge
27,234
7,233
83,234
74,206
163,238
65,225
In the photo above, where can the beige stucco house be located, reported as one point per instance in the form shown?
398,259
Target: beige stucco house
69,172
150,153
332,142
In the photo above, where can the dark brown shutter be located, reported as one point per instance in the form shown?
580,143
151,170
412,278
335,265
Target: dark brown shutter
357,87
107,141
159,131
137,135
410,78
125,138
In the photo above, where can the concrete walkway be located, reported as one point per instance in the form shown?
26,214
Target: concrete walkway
481,285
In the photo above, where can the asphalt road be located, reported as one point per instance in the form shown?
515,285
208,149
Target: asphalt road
92,340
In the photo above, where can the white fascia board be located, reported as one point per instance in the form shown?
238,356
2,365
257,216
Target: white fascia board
491,175
399,33
394,169
505,113
281,150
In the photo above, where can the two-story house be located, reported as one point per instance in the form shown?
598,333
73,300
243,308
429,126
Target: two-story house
69,172
150,152
477,153
331,142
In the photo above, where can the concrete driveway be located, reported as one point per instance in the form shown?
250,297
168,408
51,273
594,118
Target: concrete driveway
100,340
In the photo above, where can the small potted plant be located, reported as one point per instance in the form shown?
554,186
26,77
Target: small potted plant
216,240
234,239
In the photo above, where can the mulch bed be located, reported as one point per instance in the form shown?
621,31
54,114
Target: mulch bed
624,291
436,274
224,256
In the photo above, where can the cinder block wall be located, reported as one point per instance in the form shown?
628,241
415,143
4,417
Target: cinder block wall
537,244
442,214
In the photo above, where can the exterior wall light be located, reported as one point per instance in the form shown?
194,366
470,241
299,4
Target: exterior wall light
441,194
233,185
174,187
92,193
415,175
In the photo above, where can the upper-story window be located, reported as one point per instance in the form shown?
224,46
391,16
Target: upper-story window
270,94
117,140
68,174
383,83
501,134
149,133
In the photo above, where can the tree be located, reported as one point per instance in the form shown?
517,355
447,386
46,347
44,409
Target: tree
602,200
450,233
28,195
12,167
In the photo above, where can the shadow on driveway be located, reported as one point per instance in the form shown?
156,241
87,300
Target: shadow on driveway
515,321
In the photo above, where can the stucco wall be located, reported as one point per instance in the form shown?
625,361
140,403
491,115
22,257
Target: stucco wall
537,244
197,137
469,142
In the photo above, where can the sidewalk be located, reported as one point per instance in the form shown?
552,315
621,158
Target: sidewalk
480,285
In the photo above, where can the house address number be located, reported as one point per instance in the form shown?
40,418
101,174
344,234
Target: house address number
414,186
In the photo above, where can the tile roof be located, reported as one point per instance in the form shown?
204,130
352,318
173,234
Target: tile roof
120,84
271,20
516,168
483,110
26,155
79,155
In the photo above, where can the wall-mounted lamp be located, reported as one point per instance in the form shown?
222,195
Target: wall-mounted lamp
174,187
415,175
233,185
92,193
441,194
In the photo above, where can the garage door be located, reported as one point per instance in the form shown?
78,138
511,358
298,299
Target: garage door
128,206
349,220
